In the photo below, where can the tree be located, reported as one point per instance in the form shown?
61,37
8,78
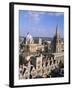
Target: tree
61,65
28,48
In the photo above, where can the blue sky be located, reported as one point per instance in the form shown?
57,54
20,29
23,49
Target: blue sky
40,24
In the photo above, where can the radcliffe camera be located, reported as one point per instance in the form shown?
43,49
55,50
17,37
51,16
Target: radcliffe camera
41,44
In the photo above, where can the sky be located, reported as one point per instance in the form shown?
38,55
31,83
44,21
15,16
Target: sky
40,23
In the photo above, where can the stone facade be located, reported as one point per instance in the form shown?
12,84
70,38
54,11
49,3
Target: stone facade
43,66
42,60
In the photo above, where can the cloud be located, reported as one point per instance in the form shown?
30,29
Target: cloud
55,13
35,15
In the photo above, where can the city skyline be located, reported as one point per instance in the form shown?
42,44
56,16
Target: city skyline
40,24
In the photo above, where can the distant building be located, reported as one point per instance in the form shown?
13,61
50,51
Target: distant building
40,41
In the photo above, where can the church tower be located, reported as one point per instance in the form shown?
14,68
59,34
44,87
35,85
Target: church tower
56,42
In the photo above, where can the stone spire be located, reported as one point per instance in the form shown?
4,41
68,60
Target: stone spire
57,33
56,29
56,42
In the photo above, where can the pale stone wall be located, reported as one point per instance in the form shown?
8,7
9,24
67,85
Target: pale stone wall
43,70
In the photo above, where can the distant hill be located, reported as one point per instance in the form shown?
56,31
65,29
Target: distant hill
43,38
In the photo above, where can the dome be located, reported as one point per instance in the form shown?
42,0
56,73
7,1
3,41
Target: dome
29,38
